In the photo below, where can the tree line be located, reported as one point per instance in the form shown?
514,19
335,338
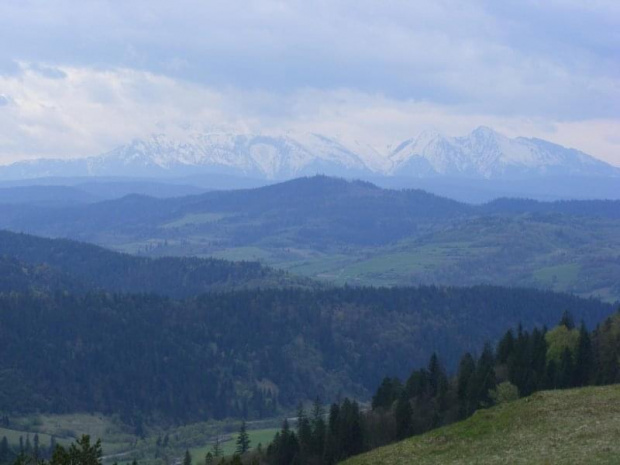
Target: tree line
245,354
521,363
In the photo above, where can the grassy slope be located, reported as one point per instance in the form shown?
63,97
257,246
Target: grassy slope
579,256
578,426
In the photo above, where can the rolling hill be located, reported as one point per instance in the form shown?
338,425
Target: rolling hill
31,262
358,233
577,426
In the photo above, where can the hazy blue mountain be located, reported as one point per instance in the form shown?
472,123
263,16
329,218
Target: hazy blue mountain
483,154
489,155
47,196
358,233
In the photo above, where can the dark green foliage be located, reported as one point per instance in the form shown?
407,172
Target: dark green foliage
187,458
606,346
403,414
424,404
584,359
205,357
466,389
284,449
57,264
567,320
82,452
243,440
387,393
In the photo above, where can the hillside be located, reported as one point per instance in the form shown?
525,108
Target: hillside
358,233
238,353
577,426
59,264
18,276
318,212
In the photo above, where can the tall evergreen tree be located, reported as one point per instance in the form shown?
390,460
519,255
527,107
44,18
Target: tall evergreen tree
584,358
243,440
465,388
403,414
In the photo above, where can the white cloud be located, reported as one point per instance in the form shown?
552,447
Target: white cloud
78,111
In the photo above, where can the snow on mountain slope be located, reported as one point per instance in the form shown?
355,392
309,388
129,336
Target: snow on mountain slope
483,153
487,154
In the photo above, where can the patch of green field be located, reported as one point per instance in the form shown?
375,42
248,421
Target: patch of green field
13,437
577,426
558,276
192,219
397,265
257,436
67,428
243,253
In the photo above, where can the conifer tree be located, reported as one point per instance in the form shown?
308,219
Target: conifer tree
243,440
584,359
403,415
465,380
216,449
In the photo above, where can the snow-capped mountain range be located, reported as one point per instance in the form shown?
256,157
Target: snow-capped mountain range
483,153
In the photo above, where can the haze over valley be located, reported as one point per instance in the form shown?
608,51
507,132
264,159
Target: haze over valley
309,233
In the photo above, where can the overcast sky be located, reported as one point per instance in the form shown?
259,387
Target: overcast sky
79,77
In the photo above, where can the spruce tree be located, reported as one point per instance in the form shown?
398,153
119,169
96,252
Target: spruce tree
584,359
216,449
403,415
465,379
187,459
243,440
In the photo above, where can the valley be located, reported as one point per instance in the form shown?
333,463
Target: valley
356,233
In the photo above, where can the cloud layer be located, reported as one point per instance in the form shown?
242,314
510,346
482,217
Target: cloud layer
77,78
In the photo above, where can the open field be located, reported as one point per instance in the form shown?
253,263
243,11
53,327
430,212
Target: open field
577,426
258,436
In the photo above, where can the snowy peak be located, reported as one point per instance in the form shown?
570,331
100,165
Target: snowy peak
484,153
272,157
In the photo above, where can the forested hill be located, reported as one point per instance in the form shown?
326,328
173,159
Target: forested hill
17,276
237,354
60,264
317,211
357,233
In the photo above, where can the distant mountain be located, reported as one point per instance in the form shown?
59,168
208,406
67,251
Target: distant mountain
487,154
317,212
355,232
483,154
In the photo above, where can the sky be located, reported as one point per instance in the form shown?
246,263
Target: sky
78,78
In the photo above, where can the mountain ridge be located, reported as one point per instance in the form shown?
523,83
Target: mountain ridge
482,154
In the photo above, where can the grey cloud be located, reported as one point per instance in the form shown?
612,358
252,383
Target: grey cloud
550,59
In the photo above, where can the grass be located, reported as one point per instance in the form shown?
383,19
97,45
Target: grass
67,428
192,219
258,436
577,426
558,276
13,436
